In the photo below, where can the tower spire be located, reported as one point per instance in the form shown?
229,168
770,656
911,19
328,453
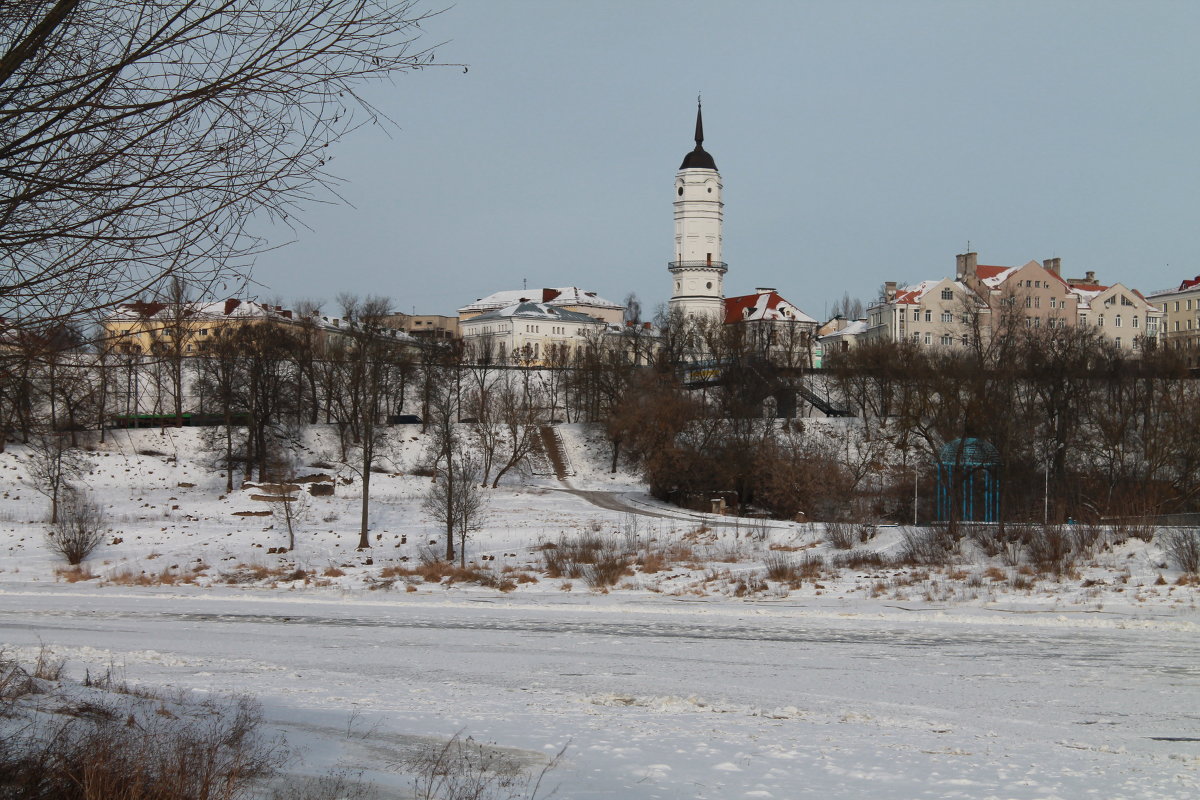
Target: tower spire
699,158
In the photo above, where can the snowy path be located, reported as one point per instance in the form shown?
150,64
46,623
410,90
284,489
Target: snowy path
668,699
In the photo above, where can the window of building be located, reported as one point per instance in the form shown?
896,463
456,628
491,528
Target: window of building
916,315
1029,302
1053,303
1100,321
1037,322
947,294
947,316
916,338
928,316
947,339
928,338
1117,321
1189,305
1037,302
1133,322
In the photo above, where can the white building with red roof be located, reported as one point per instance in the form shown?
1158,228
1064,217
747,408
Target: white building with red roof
776,328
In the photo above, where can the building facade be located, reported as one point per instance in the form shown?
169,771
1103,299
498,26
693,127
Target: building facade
571,298
945,313
529,334
984,299
1180,326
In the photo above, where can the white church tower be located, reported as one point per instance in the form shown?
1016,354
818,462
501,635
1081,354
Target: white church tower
697,271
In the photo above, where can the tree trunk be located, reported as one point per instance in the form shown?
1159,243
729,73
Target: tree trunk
364,538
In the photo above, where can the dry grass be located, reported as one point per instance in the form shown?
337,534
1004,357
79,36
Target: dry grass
74,574
446,572
167,576
793,572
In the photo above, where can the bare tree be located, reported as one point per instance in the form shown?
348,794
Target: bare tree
456,498
79,529
53,464
517,409
138,138
291,508
175,338
370,357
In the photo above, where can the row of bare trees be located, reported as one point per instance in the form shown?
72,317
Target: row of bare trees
1082,429
259,383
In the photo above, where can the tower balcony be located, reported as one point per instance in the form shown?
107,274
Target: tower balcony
719,266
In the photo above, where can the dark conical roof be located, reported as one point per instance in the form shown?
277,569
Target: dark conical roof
699,158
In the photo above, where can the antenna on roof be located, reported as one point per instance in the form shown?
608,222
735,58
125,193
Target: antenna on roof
524,284
968,245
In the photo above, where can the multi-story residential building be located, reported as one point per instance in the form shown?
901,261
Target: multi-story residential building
1033,294
944,313
187,328
437,327
1180,328
985,299
1119,314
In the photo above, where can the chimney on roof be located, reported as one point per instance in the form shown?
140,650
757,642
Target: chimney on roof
645,326
764,290
549,294
1053,265
889,291
965,264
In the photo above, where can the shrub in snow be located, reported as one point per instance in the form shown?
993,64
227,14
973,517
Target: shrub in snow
79,530
1182,546
931,546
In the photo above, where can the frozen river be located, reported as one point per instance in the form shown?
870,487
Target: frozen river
667,699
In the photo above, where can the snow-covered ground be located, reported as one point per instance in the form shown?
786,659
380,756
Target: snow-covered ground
700,679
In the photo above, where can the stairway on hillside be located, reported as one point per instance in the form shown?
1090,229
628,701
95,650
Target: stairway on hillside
556,452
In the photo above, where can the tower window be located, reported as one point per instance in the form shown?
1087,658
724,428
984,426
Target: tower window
708,285
710,190
681,191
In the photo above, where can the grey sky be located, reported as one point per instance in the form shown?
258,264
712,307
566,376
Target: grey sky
858,141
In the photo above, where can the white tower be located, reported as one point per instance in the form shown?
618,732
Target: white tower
697,271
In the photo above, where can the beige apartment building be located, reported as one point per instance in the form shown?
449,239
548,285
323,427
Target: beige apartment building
983,297
942,312
1180,310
